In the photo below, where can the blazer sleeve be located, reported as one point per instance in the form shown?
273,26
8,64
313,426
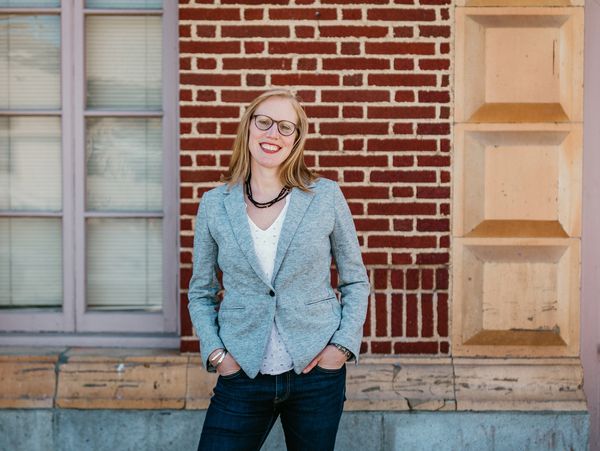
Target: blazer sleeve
203,288
353,282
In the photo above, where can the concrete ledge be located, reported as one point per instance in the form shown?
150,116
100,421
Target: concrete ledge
102,378
74,430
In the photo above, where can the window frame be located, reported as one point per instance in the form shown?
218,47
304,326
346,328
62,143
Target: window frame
74,324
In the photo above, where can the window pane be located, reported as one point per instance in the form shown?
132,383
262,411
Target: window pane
123,62
124,263
124,170
29,3
29,61
30,163
122,4
30,262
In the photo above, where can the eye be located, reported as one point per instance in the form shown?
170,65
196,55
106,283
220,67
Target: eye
287,128
263,122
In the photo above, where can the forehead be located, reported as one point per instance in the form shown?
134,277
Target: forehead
279,108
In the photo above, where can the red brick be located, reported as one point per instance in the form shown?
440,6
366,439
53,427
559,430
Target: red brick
255,2
253,14
403,176
321,144
444,145
426,315
433,161
441,279
205,47
351,161
210,79
239,96
396,317
302,47
410,145
433,225
353,144
200,176
351,14
371,225
429,192
185,31
350,48
400,112
206,14
419,347
354,95
334,31
185,161
254,31
206,31
355,63
444,242
257,63
433,259
434,31
185,128
256,79
189,346
205,63
413,242
381,315
381,347
305,32
445,13
206,160
354,128
185,95
427,279
402,191
401,14
403,32
353,80
401,258
366,192
434,64
444,347
442,314
404,64
254,47
412,279
295,79
354,176
404,208
435,2
445,209
404,161
400,48
412,321
402,129
401,80
353,112
434,97
209,111
321,111
206,127
303,14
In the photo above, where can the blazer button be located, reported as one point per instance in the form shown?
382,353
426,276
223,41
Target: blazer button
271,293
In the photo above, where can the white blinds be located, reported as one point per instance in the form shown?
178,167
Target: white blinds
123,62
29,61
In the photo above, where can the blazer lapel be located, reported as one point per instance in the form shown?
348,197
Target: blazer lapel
299,202
236,211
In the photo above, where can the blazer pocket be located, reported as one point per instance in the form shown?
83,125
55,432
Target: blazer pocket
320,299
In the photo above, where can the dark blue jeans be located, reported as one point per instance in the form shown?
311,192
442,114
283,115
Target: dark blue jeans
242,411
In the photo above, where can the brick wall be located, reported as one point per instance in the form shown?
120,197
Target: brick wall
374,78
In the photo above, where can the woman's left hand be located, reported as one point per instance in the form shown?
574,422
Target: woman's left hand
330,358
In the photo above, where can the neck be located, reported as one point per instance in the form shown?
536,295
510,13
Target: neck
265,181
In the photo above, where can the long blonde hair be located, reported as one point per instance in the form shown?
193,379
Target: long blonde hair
293,172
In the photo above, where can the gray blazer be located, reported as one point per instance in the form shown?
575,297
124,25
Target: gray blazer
299,296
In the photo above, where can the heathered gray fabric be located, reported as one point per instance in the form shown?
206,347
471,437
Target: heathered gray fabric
317,225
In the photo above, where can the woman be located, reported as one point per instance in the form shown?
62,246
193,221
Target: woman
279,339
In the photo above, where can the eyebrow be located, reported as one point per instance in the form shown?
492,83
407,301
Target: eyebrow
265,114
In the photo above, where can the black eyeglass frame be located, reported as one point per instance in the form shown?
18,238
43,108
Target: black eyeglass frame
273,121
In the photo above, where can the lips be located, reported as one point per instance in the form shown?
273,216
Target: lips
270,148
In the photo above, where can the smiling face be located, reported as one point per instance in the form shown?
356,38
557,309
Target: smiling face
269,148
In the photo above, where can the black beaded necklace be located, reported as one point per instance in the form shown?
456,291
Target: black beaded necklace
284,192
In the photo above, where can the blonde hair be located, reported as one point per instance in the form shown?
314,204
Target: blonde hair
293,172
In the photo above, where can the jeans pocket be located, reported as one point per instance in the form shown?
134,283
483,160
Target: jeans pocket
330,370
232,375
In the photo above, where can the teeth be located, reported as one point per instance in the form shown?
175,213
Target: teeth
269,146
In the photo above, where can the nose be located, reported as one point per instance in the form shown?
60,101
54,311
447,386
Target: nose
273,131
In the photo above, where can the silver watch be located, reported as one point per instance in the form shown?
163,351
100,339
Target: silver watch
345,350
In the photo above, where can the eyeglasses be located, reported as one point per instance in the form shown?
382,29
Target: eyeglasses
263,122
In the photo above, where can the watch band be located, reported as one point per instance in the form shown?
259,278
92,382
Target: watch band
345,350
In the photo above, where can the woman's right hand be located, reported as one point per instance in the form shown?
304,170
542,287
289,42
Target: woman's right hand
227,366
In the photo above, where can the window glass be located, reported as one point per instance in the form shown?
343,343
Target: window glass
124,4
30,164
29,61
123,62
30,262
29,3
124,263
124,170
